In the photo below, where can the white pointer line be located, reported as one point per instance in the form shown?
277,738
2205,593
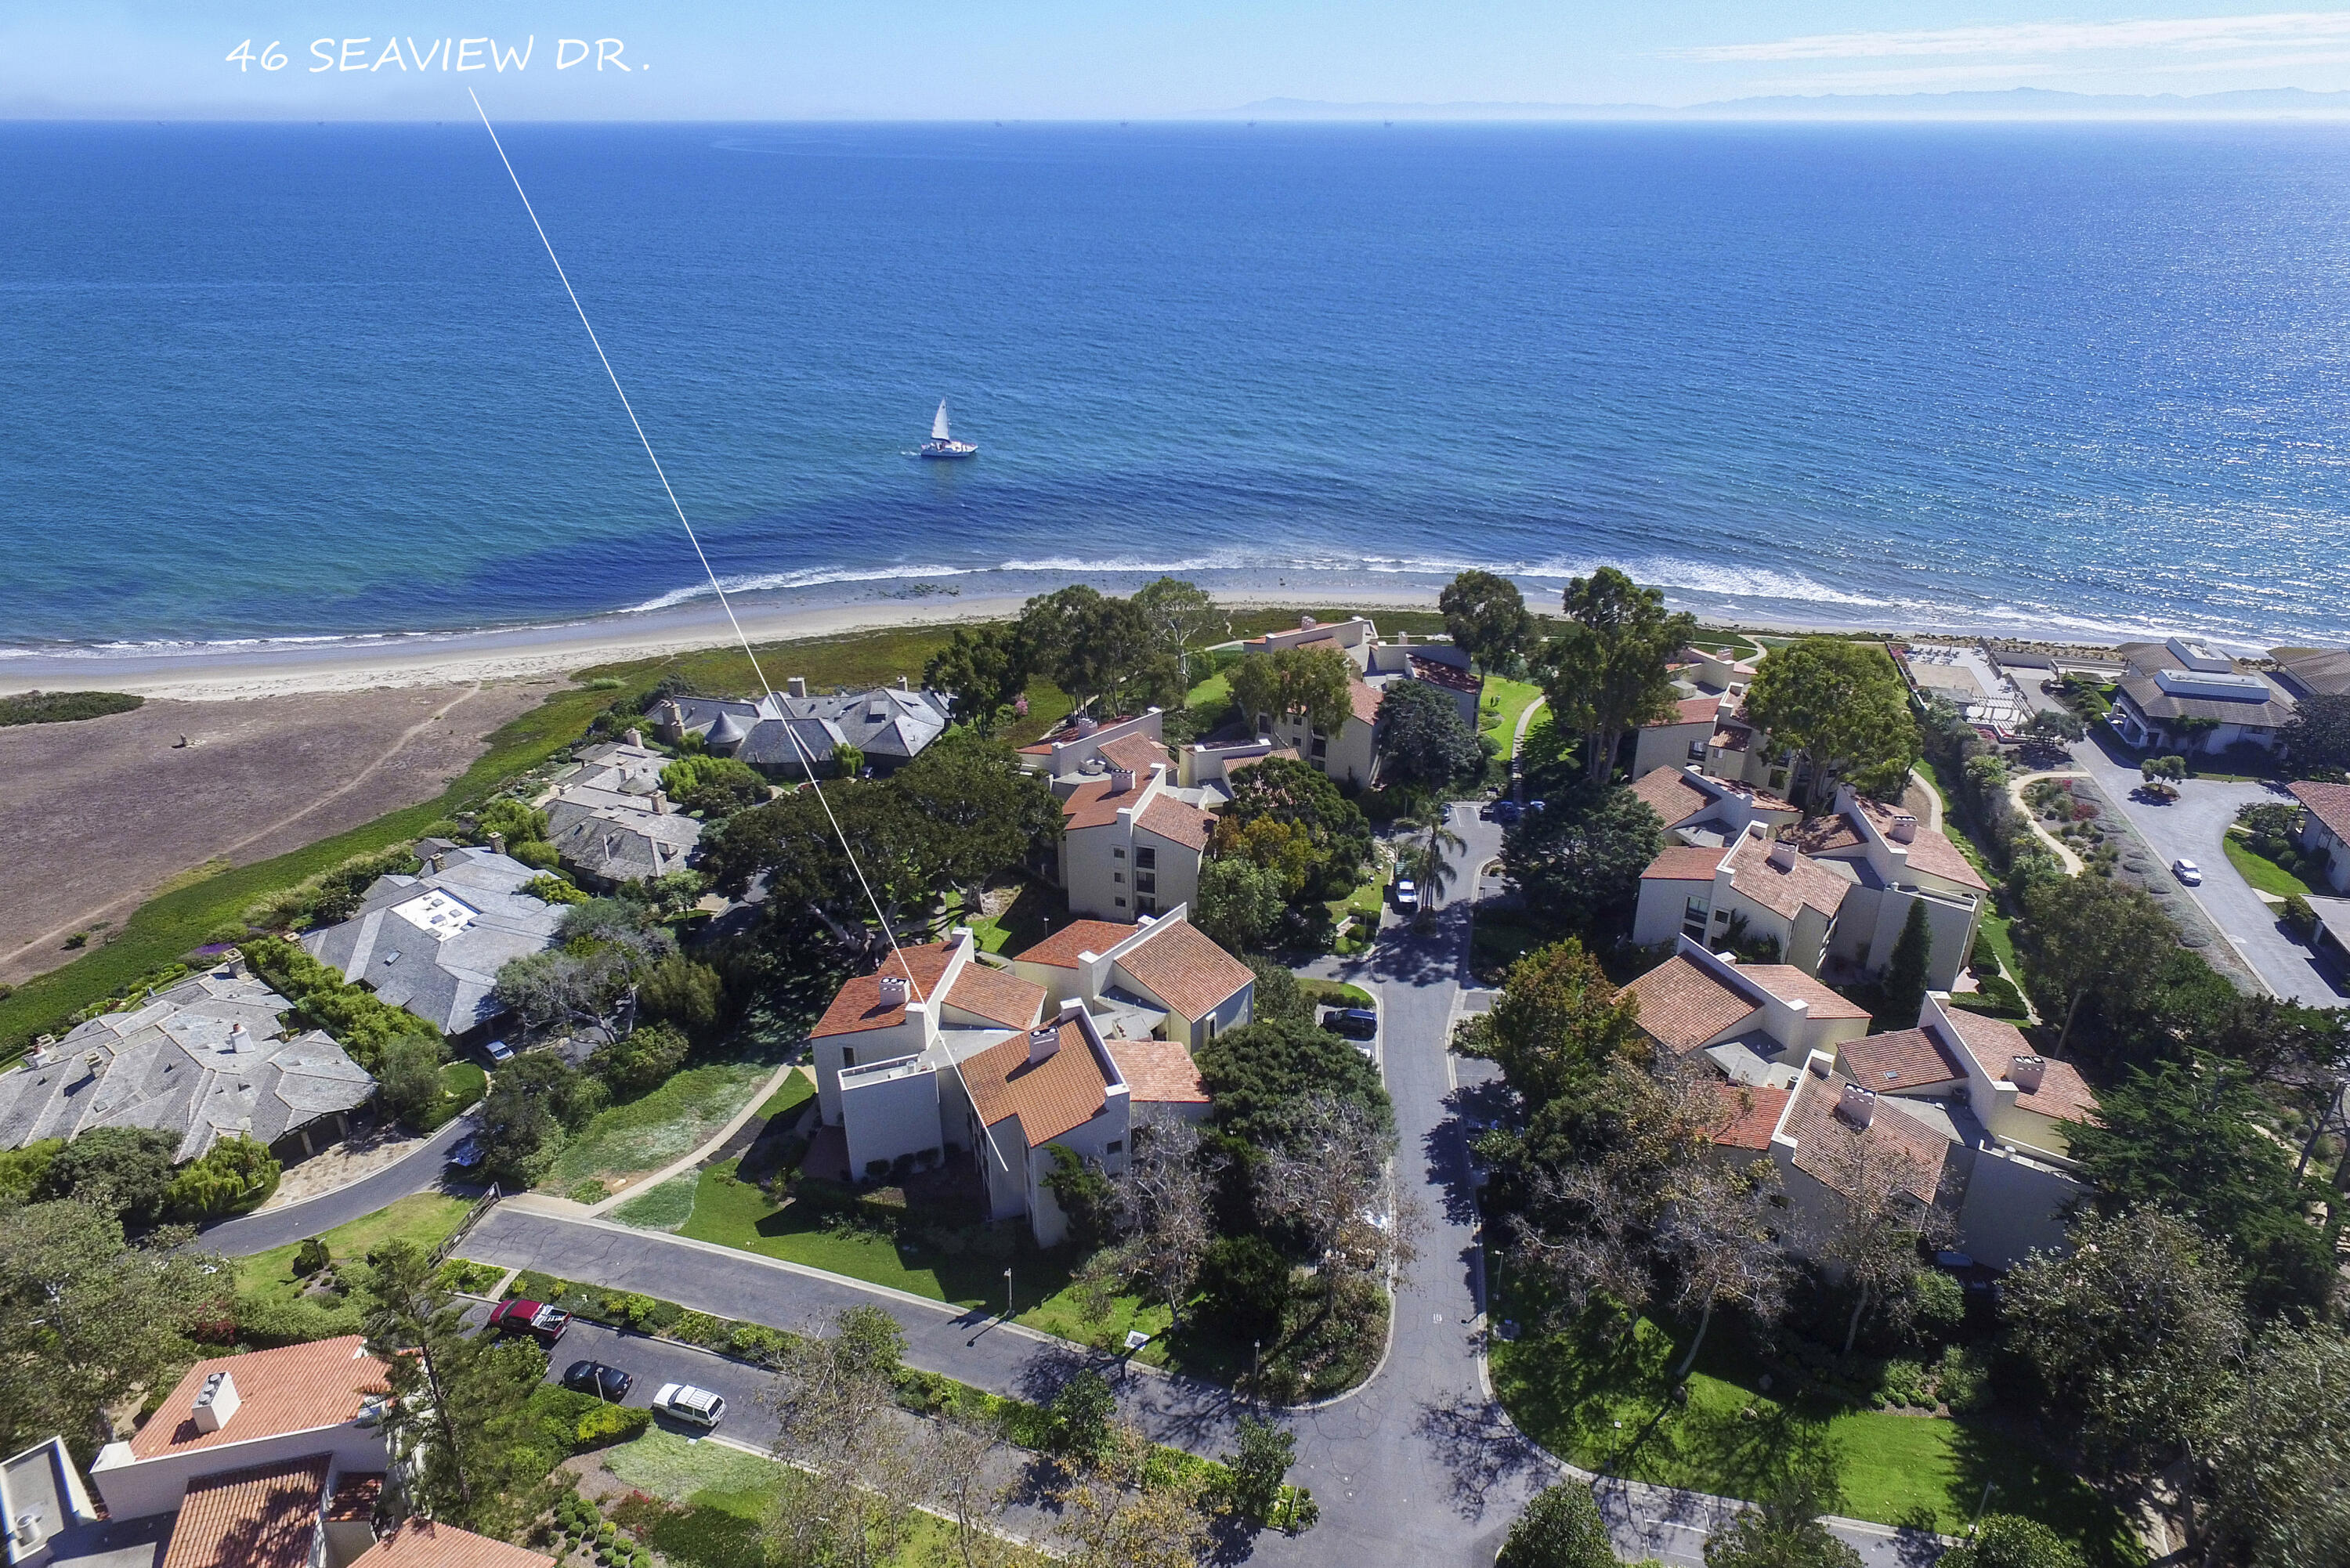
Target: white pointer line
806,762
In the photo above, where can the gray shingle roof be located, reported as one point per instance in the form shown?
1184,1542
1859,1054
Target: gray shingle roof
434,943
885,723
206,1059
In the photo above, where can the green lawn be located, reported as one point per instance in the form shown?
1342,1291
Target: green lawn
1336,992
462,1083
2265,874
798,1090
424,1218
1032,916
650,1132
1502,722
1609,1408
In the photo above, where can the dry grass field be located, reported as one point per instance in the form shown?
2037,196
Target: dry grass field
100,814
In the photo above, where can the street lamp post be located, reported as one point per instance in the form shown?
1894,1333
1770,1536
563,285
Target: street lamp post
1007,1292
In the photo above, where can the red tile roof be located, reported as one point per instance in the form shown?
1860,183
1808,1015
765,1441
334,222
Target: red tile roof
1437,672
1365,701
264,1517
1929,851
423,1543
1824,1140
1171,819
1822,834
1052,1097
1689,710
1732,738
2329,803
298,1388
2063,1095
1668,792
1158,1072
1784,891
1060,950
1182,966
857,1004
1095,804
1788,984
1137,754
1749,1114
356,1496
1903,1059
1681,863
997,995
1683,1003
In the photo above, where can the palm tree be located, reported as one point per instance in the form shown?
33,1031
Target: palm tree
1427,859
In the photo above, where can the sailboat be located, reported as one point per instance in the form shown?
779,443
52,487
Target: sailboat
942,443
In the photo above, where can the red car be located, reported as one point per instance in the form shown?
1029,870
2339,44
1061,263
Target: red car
545,1324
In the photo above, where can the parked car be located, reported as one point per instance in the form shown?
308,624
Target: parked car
1353,1022
543,1322
1406,894
465,1154
499,1051
608,1382
684,1401
1507,812
2188,873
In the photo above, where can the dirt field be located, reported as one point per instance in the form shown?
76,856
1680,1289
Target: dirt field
95,816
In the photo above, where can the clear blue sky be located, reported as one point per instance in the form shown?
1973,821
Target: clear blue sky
1094,59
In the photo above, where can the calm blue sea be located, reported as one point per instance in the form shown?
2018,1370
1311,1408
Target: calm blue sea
313,381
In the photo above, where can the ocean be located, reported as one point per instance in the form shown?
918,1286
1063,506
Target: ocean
305,381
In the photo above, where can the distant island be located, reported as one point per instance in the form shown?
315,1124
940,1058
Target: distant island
2016,103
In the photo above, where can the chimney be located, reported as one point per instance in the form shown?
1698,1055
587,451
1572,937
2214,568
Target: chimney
2026,1072
1904,828
234,961
1120,780
1782,857
1403,639
893,991
634,736
1857,1104
1306,623
795,686
660,804
497,844
239,1037
95,1062
1819,1064
1042,1040
216,1402
901,684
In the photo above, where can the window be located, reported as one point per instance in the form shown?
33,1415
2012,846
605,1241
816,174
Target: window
848,1055
1146,882
1321,748
1697,751
1693,919
1117,876
1115,1146
1146,906
1118,854
1120,902
1145,857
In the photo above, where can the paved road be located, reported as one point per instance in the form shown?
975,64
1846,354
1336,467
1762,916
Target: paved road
1417,1466
417,1172
2192,826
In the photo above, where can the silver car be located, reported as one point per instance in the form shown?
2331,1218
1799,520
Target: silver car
684,1401
2187,872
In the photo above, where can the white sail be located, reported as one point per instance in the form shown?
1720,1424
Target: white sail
939,424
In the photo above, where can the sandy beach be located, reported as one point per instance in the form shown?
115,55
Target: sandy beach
222,672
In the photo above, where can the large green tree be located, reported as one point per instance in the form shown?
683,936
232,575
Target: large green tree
2279,1468
984,813
1099,650
126,1172
2185,1136
88,1319
1261,1073
2090,936
1844,706
1315,684
1560,1031
1486,618
1337,837
1424,743
2010,1540
1241,904
1905,971
1181,618
984,668
2133,1332
1561,1527
1577,862
1610,671
2317,736
1782,1531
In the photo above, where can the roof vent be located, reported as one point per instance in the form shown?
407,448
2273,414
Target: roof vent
2027,1072
1857,1104
27,1527
1042,1040
216,1402
1306,621
893,991
1781,857
1903,828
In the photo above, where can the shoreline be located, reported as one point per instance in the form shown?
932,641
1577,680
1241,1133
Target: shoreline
234,670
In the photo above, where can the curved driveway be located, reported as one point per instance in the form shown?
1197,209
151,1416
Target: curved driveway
1418,1466
415,1172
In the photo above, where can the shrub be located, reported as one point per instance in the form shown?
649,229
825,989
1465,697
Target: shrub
235,1175
125,1171
1248,1284
549,887
608,1424
539,855
21,1169
63,706
1561,1527
1081,1415
361,1023
407,1077
2299,916
473,1279
518,822
640,1062
329,895
2007,1540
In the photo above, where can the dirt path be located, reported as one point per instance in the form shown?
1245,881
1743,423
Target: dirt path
102,813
